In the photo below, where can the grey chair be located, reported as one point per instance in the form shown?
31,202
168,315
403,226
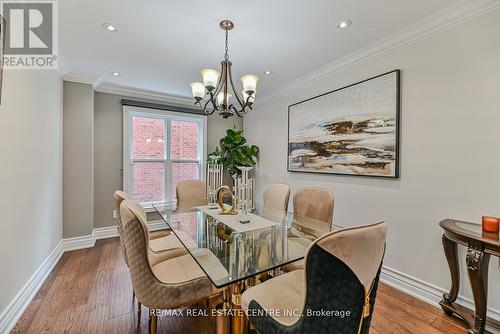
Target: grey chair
341,273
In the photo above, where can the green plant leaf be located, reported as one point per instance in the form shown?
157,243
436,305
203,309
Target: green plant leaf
234,151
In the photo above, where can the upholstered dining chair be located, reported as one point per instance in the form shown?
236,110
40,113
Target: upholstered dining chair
190,190
312,214
316,203
169,284
341,275
160,241
276,196
154,256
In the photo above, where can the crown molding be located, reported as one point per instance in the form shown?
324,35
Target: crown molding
441,21
144,94
84,78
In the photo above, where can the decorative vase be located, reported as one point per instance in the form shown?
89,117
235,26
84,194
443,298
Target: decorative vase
244,190
215,172
490,224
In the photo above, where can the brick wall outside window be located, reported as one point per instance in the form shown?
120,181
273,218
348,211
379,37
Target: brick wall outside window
184,140
148,143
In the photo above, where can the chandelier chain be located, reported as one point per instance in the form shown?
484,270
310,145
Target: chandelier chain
226,56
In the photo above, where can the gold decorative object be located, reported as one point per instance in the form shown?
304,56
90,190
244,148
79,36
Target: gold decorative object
220,195
224,232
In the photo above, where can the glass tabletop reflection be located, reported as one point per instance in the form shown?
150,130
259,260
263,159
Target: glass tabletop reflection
230,254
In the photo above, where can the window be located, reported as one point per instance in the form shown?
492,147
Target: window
160,150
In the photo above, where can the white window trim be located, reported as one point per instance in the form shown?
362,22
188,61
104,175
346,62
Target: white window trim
129,112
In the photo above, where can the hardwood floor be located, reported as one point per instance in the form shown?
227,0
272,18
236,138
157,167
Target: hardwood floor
89,291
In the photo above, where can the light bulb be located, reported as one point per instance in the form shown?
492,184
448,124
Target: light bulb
198,90
210,78
249,82
220,99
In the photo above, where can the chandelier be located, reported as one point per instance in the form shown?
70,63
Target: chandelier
216,86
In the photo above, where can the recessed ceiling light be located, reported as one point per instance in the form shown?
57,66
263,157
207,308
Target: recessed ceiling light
109,27
268,72
116,74
344,24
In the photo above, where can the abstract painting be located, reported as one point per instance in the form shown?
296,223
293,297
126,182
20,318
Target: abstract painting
353,130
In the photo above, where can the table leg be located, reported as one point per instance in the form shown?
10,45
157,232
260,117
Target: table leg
450,251
239,320
222,320
477,268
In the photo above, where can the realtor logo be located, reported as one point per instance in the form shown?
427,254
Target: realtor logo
30,34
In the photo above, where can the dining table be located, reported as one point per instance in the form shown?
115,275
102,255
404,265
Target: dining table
239,251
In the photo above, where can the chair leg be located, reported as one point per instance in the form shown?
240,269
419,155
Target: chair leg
153,322
139,308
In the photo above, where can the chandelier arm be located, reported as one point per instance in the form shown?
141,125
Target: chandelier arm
206,103
220,82
236,94
205,109
209,111
240,113
217,87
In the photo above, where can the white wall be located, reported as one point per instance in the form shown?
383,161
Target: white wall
78,159
30,175
450,144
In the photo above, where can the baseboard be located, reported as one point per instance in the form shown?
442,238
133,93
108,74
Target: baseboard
427,292
21,301
105,232
71,244
111,232
156,225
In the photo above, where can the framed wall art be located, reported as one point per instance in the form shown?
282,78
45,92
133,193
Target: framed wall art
353,130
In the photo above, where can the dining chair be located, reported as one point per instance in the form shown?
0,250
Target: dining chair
166,285
313,214
160,241
316,203
276,196
341,276
155,256
190,190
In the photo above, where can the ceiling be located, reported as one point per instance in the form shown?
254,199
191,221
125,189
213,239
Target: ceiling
160,46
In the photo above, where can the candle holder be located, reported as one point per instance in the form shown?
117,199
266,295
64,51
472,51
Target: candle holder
245,189
490,224
215,172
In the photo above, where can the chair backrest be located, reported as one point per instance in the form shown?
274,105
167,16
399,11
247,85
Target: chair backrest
314,202
136,241
119,197
190,190
342,268
276,196
149,290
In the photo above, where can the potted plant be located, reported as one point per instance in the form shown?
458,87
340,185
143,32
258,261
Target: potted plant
234,152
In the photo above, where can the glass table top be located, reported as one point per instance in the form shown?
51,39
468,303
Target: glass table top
471,227
230,251
477,230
